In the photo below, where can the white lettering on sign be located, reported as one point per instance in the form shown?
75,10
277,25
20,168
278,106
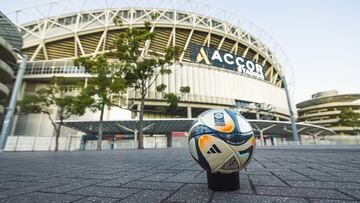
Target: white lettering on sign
229,61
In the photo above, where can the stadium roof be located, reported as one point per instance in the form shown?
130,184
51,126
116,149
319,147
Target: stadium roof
328,99
164,126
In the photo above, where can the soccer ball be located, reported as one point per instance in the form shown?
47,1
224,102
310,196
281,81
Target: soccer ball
221,141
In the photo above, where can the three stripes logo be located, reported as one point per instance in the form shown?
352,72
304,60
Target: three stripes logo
213,150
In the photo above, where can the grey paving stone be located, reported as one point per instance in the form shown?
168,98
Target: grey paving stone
331,201
23,190
303,192
14,184
158,177
253,172
245,186
7,177
153,185
290,176
22,178
353,193
147,196
254,165
231,197
309,171
314,184
115,182
347,175
323,174
344,167
124,179
38,197
97,200
197,193
269,180
71,186
100,176
335,178
187,177
60,180
104,192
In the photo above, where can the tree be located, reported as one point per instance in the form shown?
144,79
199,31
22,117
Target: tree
54,95
106,84
142,67
347,117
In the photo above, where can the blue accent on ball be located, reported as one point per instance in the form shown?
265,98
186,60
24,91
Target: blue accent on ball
236,138
200,130
202,161
250,150
232,115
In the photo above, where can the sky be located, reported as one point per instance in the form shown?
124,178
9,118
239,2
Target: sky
320,37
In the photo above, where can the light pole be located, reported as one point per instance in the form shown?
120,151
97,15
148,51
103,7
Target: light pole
12,104
292,117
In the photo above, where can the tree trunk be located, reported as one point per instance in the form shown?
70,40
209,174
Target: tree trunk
57,135
141,119
100,132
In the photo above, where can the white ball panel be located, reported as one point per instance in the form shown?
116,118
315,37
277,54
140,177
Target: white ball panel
192,148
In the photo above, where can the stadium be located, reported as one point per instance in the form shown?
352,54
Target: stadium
228,62
325,107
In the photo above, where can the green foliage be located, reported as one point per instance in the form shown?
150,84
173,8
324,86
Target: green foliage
161,88
107,81
185,89
172,99
141,67
54,95
349,118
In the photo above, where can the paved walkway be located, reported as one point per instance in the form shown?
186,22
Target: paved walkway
170,175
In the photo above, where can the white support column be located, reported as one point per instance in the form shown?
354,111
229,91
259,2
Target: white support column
221,42
234,48
261,131
186,45
45,51
189,112
135,139
262,137
170,37
36,52
246,51
147,42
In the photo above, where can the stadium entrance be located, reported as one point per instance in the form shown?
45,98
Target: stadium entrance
162,133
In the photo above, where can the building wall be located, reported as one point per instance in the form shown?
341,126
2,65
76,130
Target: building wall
7,61
9,39
324,110
211,87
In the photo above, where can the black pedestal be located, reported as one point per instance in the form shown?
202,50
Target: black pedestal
223,182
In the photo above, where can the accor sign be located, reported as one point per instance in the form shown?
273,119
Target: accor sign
219,58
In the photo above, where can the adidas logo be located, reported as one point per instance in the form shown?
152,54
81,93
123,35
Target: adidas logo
213,150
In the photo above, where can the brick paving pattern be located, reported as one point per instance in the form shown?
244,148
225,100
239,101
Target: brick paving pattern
296,174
